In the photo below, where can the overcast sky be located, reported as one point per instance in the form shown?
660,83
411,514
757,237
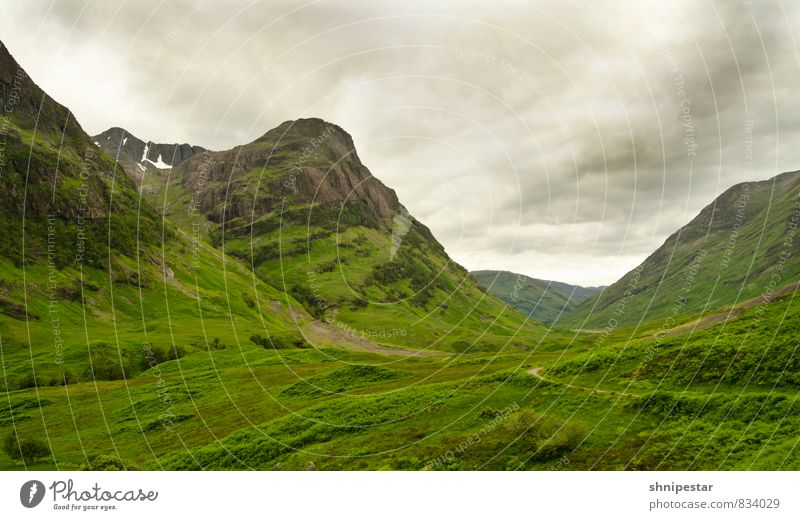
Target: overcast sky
544,138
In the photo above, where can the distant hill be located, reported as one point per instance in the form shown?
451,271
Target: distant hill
541,300
740,246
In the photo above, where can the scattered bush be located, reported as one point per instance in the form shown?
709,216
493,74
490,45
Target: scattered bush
358,303
104,463
279,342
540,436
28,450
28,381
313,303
326,267
248,300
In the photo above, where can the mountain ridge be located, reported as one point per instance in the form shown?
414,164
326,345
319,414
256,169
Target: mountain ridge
295,209
136,153
738,246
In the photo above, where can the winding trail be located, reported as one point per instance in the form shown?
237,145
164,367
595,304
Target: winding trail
537,373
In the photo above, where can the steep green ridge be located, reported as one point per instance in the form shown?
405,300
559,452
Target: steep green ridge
541,300
53,175
93,286
301,209
740,246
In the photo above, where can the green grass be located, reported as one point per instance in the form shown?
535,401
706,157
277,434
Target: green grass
252,408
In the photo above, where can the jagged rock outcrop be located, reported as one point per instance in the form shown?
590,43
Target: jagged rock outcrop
138,154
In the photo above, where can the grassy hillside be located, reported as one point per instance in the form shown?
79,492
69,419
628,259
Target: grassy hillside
740,246
541,300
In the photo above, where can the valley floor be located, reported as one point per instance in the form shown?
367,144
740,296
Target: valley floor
722,398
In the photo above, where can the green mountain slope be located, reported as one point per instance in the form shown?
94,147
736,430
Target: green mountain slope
740,246
93,285
541,300
299,207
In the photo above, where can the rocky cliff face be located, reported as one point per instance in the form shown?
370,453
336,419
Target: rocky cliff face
140,155
307,161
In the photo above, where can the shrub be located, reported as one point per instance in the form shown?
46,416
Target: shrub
104,368
104,463
540,436
157,355
279,342
326,267
68,378
357,303
29,451
27,381
248,300
313,303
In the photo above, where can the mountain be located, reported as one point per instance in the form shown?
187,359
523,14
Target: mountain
740,246
301,209
541,300
135,153
57,188
90,275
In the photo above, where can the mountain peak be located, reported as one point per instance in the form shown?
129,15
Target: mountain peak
139,155
311,135
308,161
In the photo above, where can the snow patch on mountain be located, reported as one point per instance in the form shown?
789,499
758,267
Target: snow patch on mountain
160,164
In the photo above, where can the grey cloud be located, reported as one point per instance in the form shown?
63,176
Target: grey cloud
542,137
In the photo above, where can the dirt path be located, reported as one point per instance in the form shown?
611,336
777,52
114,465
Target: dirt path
320,331
537,373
